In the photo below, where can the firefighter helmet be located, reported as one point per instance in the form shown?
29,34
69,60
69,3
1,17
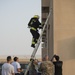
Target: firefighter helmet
36,16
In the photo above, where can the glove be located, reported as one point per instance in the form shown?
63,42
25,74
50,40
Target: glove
28,26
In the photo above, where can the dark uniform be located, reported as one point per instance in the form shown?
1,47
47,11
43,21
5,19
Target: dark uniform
58,67
34,24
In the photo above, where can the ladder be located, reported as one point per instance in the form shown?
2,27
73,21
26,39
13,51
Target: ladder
38,43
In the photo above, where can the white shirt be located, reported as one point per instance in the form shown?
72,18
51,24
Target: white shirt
16,66
7,69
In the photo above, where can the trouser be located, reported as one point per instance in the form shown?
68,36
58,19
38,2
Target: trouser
39,73
17,74
35,35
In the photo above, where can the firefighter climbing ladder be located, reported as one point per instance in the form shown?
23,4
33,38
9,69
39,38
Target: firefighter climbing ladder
38,43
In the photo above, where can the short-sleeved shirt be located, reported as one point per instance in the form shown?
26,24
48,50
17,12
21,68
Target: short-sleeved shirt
7,69
16,66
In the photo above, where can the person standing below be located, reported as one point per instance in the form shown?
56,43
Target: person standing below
58,65
32,69
7,68
34,24
37,64
17,66
46,67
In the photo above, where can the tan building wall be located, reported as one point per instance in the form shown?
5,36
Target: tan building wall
63,33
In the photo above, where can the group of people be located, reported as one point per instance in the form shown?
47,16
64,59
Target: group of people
45,67
11,68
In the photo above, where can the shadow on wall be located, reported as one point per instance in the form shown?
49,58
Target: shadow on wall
66,49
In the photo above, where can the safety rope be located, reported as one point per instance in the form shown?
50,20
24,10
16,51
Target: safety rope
38,43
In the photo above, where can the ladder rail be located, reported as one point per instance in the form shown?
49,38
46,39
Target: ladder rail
38,43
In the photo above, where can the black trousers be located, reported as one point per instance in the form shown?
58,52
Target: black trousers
17,74
35,35
39,73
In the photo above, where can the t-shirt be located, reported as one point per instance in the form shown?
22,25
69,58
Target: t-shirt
7,69
16,66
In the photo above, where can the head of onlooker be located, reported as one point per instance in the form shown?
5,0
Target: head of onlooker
57,58
16,59
45,58
36,62
9,59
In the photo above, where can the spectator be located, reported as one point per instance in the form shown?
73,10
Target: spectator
37,65
46,67
32,69
17,66
58,65
7,68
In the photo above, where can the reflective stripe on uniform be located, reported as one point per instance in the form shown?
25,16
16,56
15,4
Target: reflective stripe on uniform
33,43
32,39
33,28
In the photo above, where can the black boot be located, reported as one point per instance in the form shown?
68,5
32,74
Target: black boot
33,45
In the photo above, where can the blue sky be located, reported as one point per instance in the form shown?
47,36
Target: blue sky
15,37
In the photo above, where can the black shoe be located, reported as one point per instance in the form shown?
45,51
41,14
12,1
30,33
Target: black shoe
35,41
33,45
